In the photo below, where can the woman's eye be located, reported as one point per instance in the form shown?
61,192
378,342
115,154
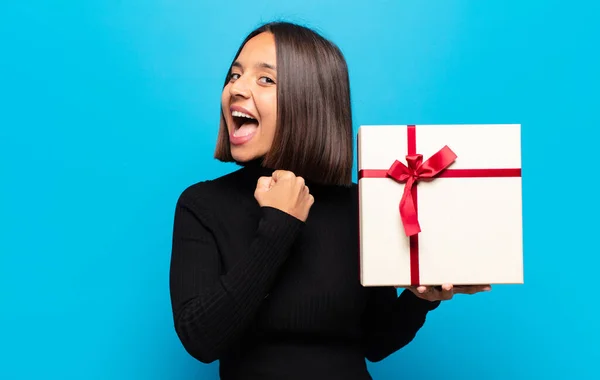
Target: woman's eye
267,80
233,76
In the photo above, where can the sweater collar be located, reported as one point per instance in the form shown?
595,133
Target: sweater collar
254,169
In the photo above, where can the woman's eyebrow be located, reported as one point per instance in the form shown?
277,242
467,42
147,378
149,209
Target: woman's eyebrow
261,65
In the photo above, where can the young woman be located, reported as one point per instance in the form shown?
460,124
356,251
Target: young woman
264,272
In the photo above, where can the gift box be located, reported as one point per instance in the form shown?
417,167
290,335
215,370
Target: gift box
440,204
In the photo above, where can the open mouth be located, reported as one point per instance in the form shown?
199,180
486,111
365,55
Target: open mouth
245,125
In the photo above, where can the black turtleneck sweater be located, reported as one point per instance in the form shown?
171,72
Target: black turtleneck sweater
272,297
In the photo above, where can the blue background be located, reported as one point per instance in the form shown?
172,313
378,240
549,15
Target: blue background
109,109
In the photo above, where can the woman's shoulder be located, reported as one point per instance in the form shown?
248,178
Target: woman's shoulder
211,193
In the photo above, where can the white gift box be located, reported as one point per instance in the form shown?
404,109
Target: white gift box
469,214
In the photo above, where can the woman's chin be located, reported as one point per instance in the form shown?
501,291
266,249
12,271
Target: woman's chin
244,155
250,151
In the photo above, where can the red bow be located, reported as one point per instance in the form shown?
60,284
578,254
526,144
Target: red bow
416,170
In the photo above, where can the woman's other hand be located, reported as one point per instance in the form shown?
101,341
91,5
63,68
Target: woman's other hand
446,291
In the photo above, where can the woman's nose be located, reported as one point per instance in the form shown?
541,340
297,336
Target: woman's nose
240,88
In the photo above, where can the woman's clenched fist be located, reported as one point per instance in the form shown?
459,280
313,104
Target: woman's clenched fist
286,192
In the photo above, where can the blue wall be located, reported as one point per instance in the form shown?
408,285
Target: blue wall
108,110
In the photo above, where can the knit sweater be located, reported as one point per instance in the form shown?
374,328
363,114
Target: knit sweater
272,297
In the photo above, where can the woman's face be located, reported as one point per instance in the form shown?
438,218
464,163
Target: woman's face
249,100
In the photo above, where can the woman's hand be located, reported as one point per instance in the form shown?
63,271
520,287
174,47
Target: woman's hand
286,192
446,291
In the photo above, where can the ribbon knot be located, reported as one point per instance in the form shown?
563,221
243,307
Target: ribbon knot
414,171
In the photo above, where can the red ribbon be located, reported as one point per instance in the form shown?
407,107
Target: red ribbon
415,170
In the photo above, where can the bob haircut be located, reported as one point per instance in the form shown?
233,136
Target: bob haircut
313,136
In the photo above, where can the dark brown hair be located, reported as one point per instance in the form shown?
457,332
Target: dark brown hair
313,137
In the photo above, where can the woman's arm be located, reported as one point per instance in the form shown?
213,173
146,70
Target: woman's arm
212,308
391,321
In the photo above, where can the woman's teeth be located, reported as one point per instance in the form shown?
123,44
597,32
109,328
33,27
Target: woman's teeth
241,114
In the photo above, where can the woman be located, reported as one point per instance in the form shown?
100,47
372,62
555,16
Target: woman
264,271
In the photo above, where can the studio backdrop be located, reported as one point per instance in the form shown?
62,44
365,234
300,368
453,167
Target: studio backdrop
109,110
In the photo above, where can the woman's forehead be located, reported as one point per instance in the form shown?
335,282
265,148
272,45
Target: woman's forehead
259,52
